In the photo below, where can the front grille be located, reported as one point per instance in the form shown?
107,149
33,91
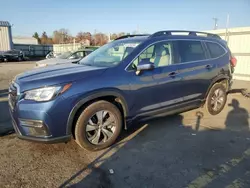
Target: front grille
13,95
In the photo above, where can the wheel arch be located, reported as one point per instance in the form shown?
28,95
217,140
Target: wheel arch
112,96
219,79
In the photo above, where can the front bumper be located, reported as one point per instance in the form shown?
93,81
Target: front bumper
46,140
26,133
39,121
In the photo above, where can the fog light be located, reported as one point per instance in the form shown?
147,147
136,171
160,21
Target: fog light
38,132
35,128
31,123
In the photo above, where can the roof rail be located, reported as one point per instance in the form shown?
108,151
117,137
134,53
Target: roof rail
193,33
128,36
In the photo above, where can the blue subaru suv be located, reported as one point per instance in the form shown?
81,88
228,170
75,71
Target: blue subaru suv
132,78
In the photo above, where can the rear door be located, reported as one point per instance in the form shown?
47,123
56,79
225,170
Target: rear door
219,55
195,68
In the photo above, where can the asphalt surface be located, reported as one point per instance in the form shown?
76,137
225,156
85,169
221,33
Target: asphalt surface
192,149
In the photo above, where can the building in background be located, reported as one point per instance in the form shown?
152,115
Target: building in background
238,40
24,40
5,36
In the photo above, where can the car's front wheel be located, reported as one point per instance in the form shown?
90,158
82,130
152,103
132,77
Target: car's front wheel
98,126
216,99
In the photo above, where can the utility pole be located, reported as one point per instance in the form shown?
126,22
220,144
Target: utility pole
95,37
74,42
227,25
215,23
137,29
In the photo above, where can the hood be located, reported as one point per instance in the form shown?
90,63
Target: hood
54,75
55,61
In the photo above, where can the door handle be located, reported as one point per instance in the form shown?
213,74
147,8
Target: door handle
172,74
208,66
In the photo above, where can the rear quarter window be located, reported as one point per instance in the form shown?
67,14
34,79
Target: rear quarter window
215,49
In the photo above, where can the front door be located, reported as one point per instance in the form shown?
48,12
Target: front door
160,87
144,85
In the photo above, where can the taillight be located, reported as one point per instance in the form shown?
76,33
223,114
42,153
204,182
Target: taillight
233,61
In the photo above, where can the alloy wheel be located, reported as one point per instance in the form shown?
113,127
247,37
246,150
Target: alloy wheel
217,99
101,127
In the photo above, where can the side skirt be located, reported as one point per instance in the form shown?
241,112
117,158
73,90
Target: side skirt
162,112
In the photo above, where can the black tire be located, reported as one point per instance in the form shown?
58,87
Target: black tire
81,136
5,60
210,98
19,59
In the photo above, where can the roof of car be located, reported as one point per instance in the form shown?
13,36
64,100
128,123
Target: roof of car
136,38
186,37
179,36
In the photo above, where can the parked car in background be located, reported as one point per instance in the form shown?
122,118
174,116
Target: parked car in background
13,55
67,57
92,47
1,57
131,78
52,54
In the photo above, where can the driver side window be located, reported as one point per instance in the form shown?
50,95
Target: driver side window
160,54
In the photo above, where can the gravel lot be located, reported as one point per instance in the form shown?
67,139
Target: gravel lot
10,69
187,150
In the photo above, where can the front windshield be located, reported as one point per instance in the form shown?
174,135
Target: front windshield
65,55
110,54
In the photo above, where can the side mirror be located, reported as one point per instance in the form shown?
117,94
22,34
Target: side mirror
145,64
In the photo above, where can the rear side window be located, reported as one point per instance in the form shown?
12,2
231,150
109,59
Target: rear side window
190,51
215,49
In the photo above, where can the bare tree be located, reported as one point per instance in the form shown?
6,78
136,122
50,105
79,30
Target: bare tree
44,38
121,34
99,39
83,36
113,36
56,37
61,36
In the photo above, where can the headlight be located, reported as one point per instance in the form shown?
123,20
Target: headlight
46,93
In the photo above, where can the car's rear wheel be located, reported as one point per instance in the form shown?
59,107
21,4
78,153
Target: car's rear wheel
216,99
98,126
